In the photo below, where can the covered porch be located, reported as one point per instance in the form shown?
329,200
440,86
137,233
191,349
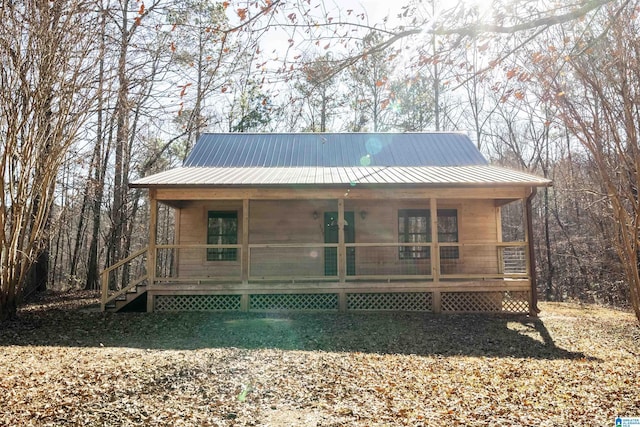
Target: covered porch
308,248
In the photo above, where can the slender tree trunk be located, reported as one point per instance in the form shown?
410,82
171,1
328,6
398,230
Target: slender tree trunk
119,204
98,182
80,231
40,270
436,76
323,110
99,168
547,244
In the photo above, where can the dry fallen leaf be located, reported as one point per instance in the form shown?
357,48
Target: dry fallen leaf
63,364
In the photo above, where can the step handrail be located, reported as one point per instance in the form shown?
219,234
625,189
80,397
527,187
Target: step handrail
106,298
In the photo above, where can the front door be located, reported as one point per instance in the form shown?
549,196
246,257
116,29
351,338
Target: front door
331,236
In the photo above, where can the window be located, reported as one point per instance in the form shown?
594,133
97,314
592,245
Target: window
414,226
222,229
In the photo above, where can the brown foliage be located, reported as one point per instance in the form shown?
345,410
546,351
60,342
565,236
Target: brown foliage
62,364
600,106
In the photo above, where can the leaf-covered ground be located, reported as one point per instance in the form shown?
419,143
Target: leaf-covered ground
64,363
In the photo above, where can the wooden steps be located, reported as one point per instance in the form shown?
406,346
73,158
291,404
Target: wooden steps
124,300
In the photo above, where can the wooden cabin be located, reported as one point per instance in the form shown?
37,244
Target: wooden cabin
342,222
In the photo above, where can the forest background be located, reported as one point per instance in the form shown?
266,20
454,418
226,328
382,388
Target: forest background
96,93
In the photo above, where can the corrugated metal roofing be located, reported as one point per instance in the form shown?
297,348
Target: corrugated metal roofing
246,150
435,159
425,175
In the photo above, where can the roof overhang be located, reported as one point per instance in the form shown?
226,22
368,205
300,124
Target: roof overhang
327,177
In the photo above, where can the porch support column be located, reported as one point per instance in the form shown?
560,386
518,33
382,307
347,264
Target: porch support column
435,253
499,250
342,251
531,258
245,242
151,251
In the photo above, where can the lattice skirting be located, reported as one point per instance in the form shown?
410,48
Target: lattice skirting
516,302
260,302
197,303
496,301
458,302
393,301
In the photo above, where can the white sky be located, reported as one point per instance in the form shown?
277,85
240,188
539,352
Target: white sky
375,10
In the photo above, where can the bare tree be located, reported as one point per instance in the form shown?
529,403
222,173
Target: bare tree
412,105
596,87
45,96
370,79
318,91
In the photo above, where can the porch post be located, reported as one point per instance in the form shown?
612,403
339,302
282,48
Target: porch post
342,251
435,253
151,251
245,242
499,250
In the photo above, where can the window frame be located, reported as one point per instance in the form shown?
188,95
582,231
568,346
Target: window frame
444,236
222,238
413,252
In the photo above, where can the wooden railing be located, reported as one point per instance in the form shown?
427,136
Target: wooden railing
356,261
293,262
175,263
317,264
123,276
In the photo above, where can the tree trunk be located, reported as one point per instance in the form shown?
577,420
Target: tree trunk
547,242
99,170
119,203
8,306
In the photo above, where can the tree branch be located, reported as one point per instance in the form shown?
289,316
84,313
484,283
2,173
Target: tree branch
547,21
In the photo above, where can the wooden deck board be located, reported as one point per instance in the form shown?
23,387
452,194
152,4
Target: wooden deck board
185,288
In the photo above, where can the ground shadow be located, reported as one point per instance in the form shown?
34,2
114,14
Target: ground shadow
384,333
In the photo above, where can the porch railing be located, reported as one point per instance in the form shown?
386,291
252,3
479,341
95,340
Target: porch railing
293,262
221,263
325,262
123,277
317,262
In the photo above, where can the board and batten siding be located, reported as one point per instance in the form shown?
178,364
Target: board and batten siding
479,220
192,229
292,222
287,222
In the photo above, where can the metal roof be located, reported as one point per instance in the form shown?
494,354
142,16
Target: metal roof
433,159
475,175
267,150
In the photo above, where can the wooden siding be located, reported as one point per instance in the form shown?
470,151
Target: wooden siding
275,223
191,227
287,222
380,225
478,224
